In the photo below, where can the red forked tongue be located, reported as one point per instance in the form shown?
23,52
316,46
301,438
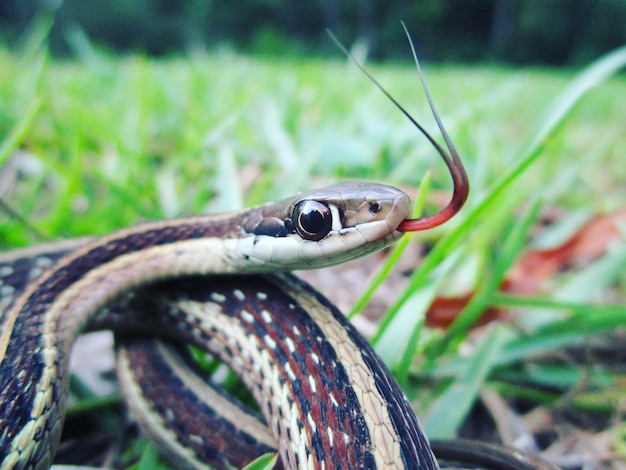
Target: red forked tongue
452,160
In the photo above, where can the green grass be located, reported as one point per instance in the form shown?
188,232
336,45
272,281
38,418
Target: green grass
104,142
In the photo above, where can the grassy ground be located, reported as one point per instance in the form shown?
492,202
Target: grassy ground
100,143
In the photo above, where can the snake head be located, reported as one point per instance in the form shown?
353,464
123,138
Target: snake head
323,227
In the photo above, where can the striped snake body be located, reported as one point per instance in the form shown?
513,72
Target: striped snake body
319,375
309,230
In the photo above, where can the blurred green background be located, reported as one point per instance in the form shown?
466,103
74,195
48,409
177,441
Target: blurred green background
550,32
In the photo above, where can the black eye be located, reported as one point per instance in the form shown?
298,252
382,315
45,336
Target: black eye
313,220
374,208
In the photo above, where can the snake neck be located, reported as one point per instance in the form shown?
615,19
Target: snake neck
39,330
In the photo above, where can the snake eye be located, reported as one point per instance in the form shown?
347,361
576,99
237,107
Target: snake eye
375,207
313,220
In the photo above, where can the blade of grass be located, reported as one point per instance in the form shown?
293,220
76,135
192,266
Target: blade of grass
446,414
73,184
265,462
581,287
399,335
604,401
397,252
585,320
35,38
149,459
557,376
513,246
19,130
229,194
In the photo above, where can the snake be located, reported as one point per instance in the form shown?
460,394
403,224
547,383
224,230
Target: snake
40,326
222,282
